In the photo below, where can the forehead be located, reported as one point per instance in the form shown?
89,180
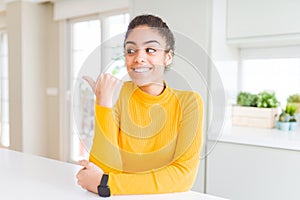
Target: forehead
142,34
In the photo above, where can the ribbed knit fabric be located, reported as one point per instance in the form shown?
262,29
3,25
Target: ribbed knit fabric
149,144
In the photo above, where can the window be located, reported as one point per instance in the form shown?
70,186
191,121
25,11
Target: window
4,99
271,69
280,75
228,71
261,69
86,35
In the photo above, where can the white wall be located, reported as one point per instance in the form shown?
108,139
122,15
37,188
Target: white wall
220,51
2,6
53,81
34,67
2,19
79,8
28,62
191,18
225,58
15,75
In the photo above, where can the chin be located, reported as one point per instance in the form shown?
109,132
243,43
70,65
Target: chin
139,82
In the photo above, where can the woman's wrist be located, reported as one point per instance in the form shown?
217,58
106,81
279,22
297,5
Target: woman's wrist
105,102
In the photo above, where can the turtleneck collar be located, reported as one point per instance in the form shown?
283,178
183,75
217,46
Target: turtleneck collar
148,98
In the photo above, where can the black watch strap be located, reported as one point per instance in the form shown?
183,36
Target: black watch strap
103,188
104,180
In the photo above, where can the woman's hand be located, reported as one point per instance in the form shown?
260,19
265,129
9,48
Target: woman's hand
104,88
89,176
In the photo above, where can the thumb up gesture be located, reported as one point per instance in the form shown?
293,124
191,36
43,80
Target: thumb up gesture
104,88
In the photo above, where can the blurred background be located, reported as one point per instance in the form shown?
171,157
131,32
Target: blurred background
254,45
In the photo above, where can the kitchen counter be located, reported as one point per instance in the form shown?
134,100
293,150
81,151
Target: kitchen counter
272,138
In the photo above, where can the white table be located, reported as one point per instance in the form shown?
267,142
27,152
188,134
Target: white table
24,176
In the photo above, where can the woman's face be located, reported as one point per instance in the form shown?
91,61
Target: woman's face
146,56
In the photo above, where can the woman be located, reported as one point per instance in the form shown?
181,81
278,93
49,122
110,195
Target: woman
150,140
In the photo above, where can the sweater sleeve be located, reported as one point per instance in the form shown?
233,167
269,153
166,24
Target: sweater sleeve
105,151
179,175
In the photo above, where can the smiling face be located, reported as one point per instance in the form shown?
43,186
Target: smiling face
146,56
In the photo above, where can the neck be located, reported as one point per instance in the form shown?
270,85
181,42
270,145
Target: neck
153,89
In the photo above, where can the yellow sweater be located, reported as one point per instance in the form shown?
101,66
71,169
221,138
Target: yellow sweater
149,144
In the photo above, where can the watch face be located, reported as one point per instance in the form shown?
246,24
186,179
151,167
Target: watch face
104,191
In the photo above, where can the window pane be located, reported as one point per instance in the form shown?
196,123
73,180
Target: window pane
5,135
5,113
4,91
278,75
4,71
228,71
5,45
4,104
87,35
78,59
117,24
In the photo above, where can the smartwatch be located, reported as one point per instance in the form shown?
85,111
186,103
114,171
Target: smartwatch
103,188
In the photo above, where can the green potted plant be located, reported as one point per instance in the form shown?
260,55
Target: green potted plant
266,100
287,120
295,98
255,110
283,121
291,109
246,99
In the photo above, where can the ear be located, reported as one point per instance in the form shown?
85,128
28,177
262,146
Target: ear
169,58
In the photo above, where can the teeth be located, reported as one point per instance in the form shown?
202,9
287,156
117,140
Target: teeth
141,70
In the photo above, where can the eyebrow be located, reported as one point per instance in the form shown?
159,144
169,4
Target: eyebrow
147,42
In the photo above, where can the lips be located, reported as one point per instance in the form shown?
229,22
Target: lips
141,69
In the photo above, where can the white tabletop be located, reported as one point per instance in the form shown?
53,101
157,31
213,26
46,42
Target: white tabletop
24,176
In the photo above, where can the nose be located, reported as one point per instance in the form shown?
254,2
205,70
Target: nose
140,56
139,59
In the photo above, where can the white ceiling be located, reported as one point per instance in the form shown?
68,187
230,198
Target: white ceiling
4,2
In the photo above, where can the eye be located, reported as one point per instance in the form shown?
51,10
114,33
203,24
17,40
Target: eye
150,50
130,51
